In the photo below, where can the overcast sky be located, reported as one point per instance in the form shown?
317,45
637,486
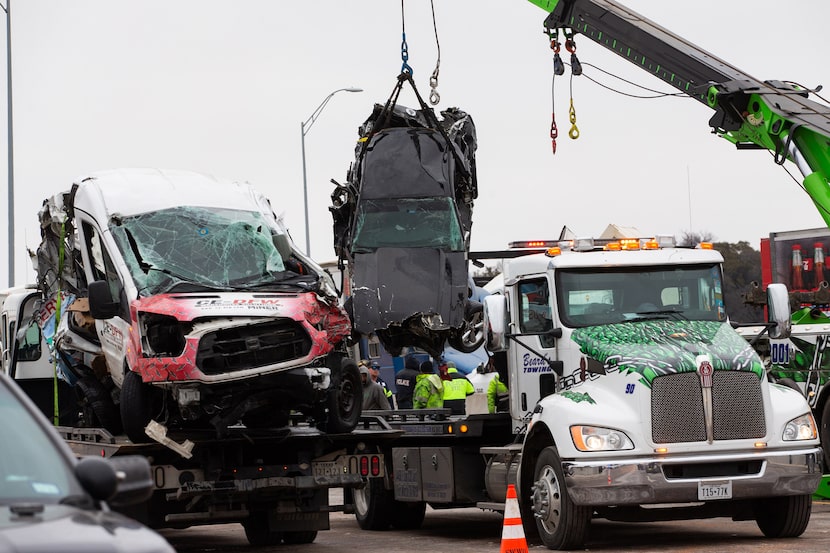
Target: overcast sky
222,87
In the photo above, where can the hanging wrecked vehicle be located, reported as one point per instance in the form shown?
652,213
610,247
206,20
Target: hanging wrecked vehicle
195,306
402,229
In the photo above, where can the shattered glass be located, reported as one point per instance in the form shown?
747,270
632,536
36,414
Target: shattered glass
407,223
211,248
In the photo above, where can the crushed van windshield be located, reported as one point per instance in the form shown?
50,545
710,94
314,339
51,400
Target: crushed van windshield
407,223
213,248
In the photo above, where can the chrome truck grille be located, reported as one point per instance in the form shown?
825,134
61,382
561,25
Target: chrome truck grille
678,414
247,347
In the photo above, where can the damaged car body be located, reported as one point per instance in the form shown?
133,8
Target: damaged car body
203,309
402,229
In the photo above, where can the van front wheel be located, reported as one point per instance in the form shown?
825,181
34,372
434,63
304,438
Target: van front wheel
137,406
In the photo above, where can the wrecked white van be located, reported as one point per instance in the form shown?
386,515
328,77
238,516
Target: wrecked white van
202,308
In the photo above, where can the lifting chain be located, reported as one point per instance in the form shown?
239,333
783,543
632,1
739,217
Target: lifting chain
434,97
558,69
405,68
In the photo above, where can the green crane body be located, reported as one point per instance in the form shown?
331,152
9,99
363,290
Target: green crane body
752,114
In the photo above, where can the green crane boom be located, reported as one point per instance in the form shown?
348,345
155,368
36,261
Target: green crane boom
772,115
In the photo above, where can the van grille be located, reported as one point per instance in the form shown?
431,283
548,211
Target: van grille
677,407
248,347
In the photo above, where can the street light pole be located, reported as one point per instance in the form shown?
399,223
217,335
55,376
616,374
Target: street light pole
304,128
8,10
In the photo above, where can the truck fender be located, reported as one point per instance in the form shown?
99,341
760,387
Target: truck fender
538,438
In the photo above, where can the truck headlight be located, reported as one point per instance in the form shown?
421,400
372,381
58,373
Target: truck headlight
597,438
800,428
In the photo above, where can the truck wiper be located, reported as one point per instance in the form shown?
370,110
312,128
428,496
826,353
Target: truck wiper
676,314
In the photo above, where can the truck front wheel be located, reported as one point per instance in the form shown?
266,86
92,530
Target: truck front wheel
784,517
561,523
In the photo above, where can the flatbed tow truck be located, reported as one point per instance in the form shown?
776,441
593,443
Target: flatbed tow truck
274,482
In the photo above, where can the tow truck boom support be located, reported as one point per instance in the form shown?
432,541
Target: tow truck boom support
750,113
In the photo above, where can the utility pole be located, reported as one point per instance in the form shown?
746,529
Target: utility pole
8,9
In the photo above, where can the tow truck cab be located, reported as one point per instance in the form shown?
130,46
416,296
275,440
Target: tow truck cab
637,393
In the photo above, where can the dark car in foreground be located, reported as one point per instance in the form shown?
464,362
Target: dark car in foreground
51,501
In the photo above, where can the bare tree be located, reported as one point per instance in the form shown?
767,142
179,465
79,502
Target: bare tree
692,238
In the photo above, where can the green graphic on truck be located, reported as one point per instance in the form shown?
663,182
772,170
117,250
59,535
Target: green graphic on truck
657,347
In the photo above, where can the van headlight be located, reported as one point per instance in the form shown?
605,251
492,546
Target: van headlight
597,438
800,428
161,335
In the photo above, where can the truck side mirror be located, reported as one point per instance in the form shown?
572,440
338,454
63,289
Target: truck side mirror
101,303
495,322
778,308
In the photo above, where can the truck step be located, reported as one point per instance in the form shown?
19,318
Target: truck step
490,506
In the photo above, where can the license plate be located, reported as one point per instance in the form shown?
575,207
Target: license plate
327,468
707,491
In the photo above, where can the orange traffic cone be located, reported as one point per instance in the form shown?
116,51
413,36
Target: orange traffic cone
512,535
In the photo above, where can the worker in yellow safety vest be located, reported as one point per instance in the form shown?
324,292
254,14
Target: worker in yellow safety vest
496,392
456,390
429,389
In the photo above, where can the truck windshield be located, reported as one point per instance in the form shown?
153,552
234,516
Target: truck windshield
589,297
407,223
213,248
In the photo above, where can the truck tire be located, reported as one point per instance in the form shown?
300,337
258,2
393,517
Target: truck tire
373,505
258,532
408,515
344,399
561,523
299,537
471,335
784,517
137,401
96,405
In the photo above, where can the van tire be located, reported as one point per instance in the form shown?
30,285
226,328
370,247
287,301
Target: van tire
344,399
97,406
472,333
136,406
